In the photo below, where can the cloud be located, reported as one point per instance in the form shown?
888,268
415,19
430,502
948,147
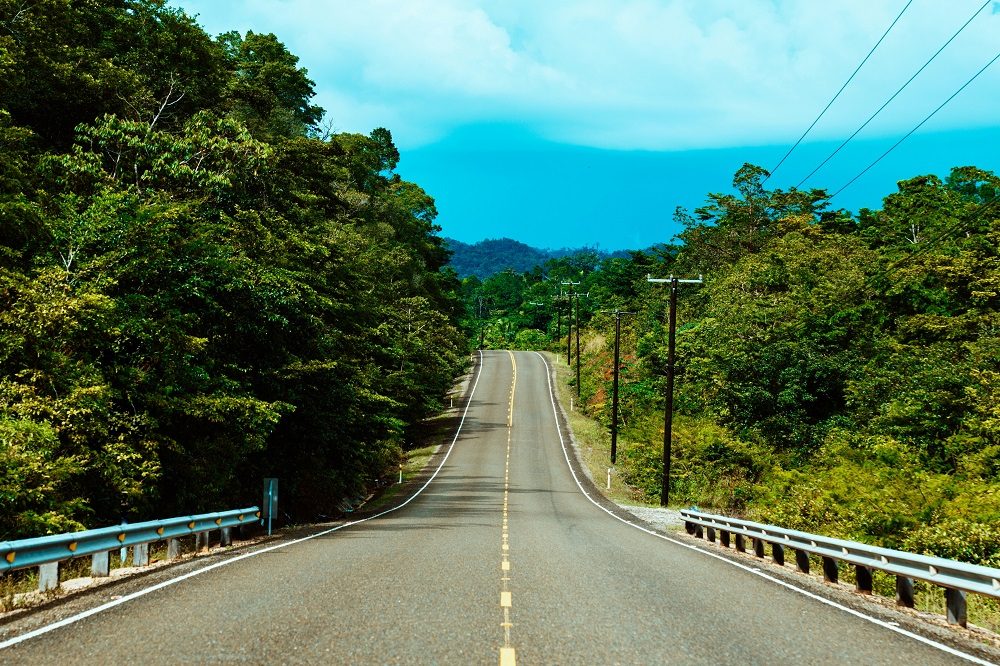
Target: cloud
659,75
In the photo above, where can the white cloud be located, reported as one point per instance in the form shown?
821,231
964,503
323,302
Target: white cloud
653,74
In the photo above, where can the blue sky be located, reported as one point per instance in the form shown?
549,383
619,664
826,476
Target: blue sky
587,122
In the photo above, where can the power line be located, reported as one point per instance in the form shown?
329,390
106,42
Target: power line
830,103
895,94
950,232
929,116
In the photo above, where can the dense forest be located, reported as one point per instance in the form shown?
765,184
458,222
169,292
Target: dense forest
199,286
494,255
838,372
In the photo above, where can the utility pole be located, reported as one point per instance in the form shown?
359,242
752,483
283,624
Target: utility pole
614,385
668,410
571,298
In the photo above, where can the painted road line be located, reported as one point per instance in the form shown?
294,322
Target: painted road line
507,653
173,581
757,572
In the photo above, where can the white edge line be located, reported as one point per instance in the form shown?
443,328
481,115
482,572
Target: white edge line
173,581
757,572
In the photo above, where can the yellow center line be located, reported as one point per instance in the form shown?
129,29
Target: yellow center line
507,654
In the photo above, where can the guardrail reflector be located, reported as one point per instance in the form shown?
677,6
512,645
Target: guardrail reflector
121,537
934,571
240,517
258,514
191,525
11,555
996,584
72,547
159,530
218,521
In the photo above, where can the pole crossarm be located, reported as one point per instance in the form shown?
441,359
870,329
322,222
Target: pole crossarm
650,278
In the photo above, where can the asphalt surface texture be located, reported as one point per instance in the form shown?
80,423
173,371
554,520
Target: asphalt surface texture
505,556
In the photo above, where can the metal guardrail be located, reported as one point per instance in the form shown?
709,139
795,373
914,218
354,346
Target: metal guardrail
48,551
957,578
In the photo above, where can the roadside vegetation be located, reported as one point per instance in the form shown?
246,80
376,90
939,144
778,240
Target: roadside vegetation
200,284
838,372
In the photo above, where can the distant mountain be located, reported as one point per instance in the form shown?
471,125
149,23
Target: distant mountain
491,256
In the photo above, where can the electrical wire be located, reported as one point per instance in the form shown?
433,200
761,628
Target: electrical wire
834,99
950,233
895,94
928,117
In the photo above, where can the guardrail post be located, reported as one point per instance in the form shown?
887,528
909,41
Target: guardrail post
741,543
140,555
48,576
863,577
689,527
711,534
173,549
724,538
955,601
226,536
778,554
802,561
829,570
904,591
201,541
697,531
758,547
100,565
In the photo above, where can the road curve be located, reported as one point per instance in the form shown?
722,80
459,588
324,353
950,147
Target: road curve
501,559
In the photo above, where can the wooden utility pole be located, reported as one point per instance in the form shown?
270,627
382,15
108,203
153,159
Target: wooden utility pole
614,385
668,409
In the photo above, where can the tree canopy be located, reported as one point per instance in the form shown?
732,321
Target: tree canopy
197,288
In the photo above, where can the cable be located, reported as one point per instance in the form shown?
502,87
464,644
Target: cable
830,103
895,94
929,116
949,232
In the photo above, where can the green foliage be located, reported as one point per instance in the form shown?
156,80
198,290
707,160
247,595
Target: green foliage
196,290
835,373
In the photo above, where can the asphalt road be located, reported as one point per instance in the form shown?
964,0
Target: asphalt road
500,559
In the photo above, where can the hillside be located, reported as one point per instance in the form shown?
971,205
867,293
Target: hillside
491,256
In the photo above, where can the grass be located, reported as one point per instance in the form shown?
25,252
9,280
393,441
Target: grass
593,439
594,442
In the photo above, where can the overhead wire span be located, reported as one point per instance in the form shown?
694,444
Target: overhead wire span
949,232
895,94
928,117
834,98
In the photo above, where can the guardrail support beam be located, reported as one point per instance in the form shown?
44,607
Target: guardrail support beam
758,547
955,601
778,554
226,536
173,549
100,564
698,531
201,542
863,579
904,591
741,543
48,576
711,534
140,555
830,570
724,538
802,561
